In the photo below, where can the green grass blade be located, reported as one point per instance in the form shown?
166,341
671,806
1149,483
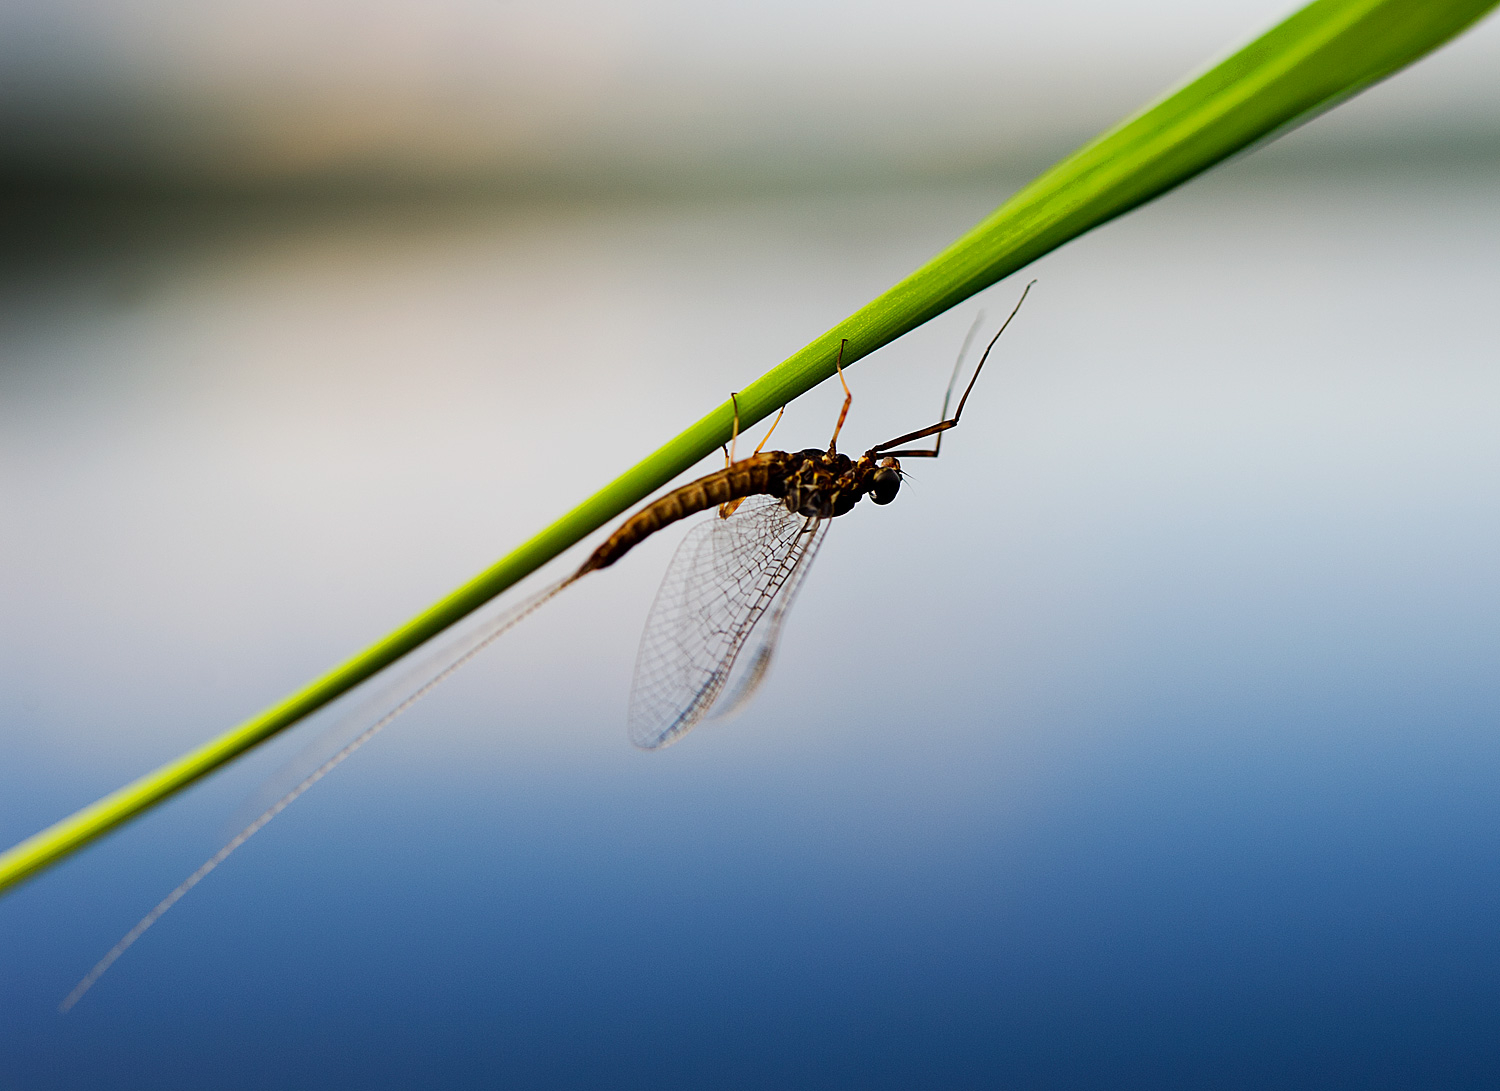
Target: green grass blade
1319,56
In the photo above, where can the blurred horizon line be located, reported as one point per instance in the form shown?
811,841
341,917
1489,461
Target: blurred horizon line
25,180
603,98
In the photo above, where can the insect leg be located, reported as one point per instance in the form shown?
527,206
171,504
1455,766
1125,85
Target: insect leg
953,379
944,425
848,397
734,435
727,509
767,436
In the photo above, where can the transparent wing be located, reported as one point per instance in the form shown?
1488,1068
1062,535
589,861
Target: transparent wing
750,667
724,579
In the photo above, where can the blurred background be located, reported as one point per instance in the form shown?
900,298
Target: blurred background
1148,740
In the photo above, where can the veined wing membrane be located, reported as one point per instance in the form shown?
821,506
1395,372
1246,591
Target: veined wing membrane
724,579
750,667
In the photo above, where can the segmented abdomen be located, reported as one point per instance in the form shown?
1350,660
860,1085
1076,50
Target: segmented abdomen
749,477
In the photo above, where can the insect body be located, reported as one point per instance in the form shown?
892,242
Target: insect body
813,483
732,575
734,578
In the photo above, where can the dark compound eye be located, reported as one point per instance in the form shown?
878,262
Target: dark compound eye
884,485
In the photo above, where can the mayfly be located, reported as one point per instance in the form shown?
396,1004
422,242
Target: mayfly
733,577
736,576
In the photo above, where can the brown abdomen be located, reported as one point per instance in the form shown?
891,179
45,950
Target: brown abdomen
749,477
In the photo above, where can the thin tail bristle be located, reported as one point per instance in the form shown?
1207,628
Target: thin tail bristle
501,625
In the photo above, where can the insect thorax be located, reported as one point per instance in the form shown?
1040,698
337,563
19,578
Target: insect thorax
820,484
